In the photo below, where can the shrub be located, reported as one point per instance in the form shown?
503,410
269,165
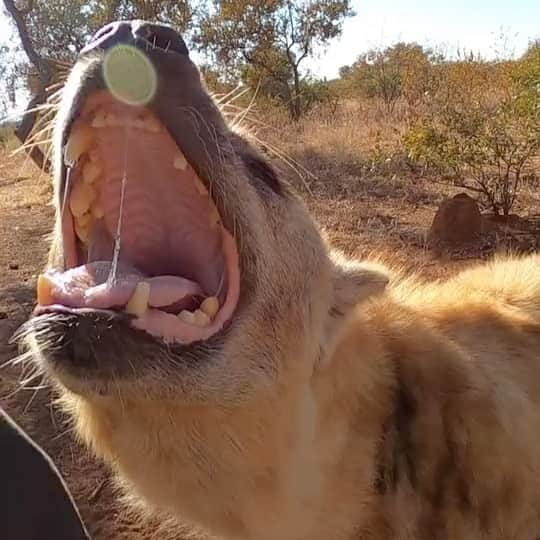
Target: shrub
482,137
403,70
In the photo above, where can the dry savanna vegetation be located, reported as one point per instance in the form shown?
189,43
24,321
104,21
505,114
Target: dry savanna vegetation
374,153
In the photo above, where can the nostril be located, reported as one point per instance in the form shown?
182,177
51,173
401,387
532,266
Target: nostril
164,38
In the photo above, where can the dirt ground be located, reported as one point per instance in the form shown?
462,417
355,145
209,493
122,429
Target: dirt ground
393,217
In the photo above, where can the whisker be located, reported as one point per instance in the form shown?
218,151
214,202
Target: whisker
248,108
64,433
223,99
43,124
24,382
19,359
30,145
33,396
292,163
47,159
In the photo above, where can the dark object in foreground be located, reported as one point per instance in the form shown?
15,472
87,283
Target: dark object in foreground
34,500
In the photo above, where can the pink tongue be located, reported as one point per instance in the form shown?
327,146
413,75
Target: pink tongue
86,287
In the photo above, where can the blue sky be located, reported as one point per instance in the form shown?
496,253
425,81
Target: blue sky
469,24
466,24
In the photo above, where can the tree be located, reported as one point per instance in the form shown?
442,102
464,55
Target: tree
272,37
485,138
69,24
401,70
45,71
8,80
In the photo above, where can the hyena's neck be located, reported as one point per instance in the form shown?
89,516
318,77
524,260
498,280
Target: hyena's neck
291,466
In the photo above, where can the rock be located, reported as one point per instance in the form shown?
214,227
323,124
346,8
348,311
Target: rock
13,266
457,222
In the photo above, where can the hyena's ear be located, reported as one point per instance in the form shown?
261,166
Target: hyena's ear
353,282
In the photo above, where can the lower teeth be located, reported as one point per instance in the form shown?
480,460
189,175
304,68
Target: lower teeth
138,303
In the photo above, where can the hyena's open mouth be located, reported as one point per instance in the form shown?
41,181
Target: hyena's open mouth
146,280
141,233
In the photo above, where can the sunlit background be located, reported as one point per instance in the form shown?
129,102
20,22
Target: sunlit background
494,29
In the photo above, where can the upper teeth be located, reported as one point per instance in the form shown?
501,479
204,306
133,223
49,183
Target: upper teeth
80,140
103,120
85,193
82,196
91,172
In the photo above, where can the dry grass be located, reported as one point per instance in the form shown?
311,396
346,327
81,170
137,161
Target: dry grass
353,137
22,184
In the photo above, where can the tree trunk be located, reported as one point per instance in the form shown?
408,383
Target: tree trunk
296,103
46,76
25,128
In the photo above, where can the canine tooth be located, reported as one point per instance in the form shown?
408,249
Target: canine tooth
100,120
138,303
44,290
200,318
91,172
81,198
79,141
180,162
210,306
186,316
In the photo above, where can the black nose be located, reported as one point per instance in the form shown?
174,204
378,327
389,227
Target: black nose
145,35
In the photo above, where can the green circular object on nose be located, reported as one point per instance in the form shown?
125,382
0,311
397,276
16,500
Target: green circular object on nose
129,75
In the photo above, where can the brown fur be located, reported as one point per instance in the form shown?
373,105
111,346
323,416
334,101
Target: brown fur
422,425
336,406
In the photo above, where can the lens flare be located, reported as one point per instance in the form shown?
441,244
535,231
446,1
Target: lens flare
129,75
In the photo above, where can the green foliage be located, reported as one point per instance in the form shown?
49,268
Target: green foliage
480,136
526,77
263,42
70,23
266,42
401,70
